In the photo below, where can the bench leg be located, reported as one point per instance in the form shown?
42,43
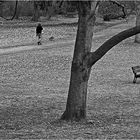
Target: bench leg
134,81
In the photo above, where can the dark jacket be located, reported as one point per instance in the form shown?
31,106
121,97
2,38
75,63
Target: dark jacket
39,29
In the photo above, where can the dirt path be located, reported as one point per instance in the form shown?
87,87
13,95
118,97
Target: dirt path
52,45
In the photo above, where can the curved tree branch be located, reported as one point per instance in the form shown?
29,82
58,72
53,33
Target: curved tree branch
16,5
105,47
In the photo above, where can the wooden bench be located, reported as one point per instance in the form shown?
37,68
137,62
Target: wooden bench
136,71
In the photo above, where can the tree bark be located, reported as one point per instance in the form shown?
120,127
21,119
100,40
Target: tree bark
80,71
137,37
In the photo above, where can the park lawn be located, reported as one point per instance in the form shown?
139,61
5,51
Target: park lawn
34,86
20,33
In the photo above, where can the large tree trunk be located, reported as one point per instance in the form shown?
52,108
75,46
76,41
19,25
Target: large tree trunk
137,37
76,102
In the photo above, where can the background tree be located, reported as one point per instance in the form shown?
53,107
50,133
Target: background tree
36,14
113,9
129,7
110,10
84,59
1,11
19,8
9,3
49,7
52,6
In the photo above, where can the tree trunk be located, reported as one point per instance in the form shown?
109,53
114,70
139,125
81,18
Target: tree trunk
137,37
80,71
36,15
18,11
1,10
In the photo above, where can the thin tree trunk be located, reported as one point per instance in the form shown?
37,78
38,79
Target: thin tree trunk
1,10
18,11
36,15
137,37
77,96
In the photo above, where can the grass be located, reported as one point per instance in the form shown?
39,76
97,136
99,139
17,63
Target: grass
34,86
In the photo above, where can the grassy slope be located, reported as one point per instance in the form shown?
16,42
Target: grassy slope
34,85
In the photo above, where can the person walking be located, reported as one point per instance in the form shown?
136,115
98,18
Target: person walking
39,29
